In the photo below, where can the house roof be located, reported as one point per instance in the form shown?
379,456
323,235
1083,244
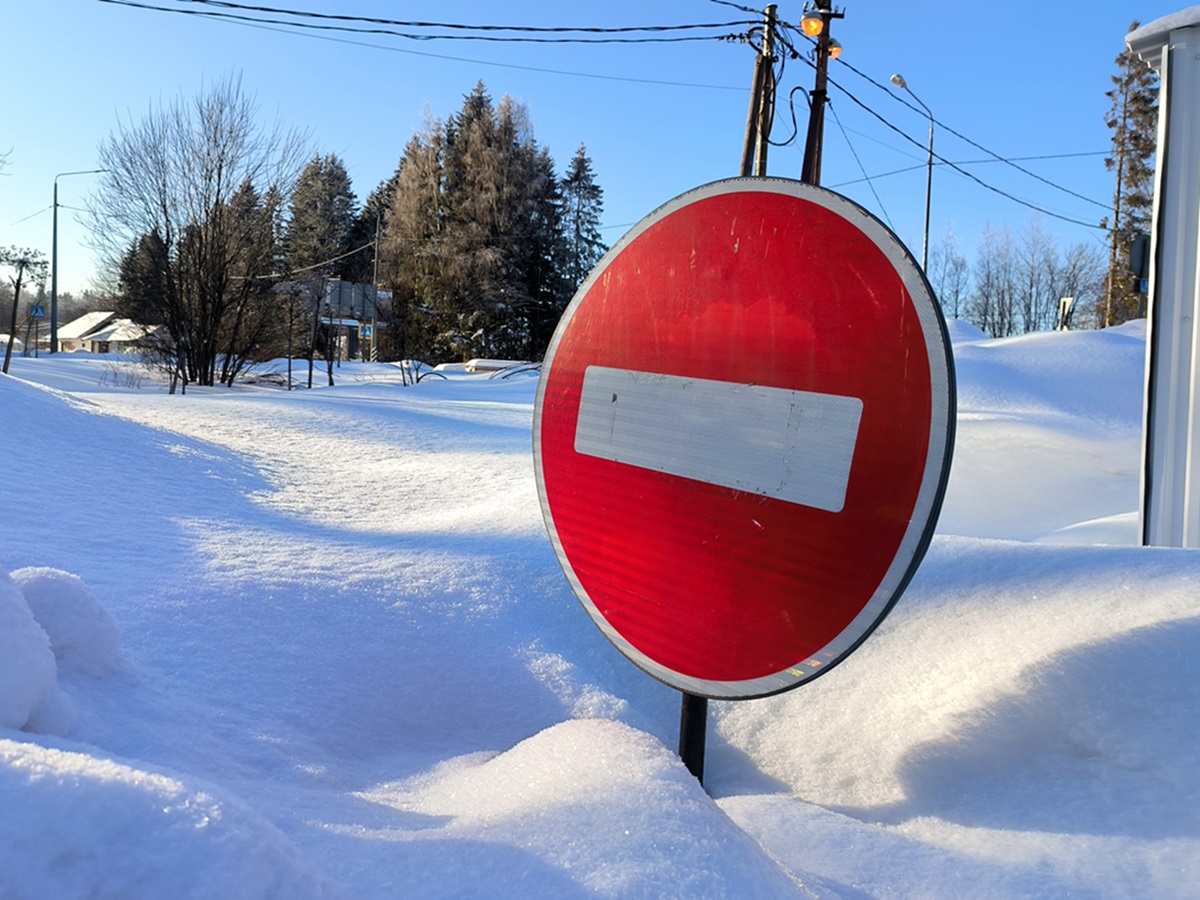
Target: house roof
121,331
84,325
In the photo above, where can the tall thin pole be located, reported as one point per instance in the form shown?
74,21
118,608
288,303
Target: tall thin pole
810,172
898,81
54,274
928,194
758,117
54,259
766,99
373,355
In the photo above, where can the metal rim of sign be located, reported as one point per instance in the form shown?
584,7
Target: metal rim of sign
934,479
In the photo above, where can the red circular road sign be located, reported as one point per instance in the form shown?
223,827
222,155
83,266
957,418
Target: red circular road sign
742,435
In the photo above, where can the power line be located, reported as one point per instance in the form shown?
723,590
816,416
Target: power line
627,79
31,216
745,9
325,262
292,28
861,168
963,171
955,167
1006,160
972,162
227,4
493,38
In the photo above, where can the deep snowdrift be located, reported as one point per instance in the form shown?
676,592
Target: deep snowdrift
256,643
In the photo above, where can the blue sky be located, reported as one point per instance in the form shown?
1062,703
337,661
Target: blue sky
657,119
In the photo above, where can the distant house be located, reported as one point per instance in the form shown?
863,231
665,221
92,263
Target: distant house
73,335
101,332
116,336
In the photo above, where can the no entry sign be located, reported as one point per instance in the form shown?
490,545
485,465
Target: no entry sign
743,433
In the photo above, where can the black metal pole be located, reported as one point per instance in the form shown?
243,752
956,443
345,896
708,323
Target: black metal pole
54,274
810,172
693,731
54,258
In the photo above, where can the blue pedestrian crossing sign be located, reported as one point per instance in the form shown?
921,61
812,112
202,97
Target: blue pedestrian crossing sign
37,310
366,332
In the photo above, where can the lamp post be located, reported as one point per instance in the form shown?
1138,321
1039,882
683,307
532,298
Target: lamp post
815,23
898,81
54,259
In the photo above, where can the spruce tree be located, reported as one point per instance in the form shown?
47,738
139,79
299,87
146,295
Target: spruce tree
142,277
493,183
583,205
1133,119
321,217
545,255
411,258
475,242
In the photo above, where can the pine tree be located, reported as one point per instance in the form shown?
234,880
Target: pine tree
545,256
411,246
30,264
477,236
492,188
369,224
142,278
583,205
1133,119
321,218
474,246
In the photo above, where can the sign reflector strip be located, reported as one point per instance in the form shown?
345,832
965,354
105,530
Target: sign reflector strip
795,446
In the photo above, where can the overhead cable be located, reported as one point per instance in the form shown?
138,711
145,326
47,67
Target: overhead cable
963,171
861,168
622,29
628,79
962,137
416,36
788,30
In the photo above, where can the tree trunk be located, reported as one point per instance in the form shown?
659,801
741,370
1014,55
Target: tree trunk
12,327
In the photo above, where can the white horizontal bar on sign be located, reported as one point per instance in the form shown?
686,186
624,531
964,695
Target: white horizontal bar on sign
791,445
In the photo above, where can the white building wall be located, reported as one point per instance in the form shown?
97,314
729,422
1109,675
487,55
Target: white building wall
1170,505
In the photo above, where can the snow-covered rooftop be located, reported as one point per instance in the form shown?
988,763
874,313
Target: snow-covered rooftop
1148,40
83,325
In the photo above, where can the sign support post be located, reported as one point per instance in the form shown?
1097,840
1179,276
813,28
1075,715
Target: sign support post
693,729
693,715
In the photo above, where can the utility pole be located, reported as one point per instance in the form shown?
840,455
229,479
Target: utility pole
54,258
810,172
762,102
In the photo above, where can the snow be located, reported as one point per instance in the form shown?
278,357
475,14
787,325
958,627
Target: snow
257,643
1161,28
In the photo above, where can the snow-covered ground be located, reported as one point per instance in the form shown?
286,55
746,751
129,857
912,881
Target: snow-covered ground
256,643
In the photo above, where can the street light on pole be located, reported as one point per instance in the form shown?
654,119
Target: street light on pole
54,259
898,81
815,23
